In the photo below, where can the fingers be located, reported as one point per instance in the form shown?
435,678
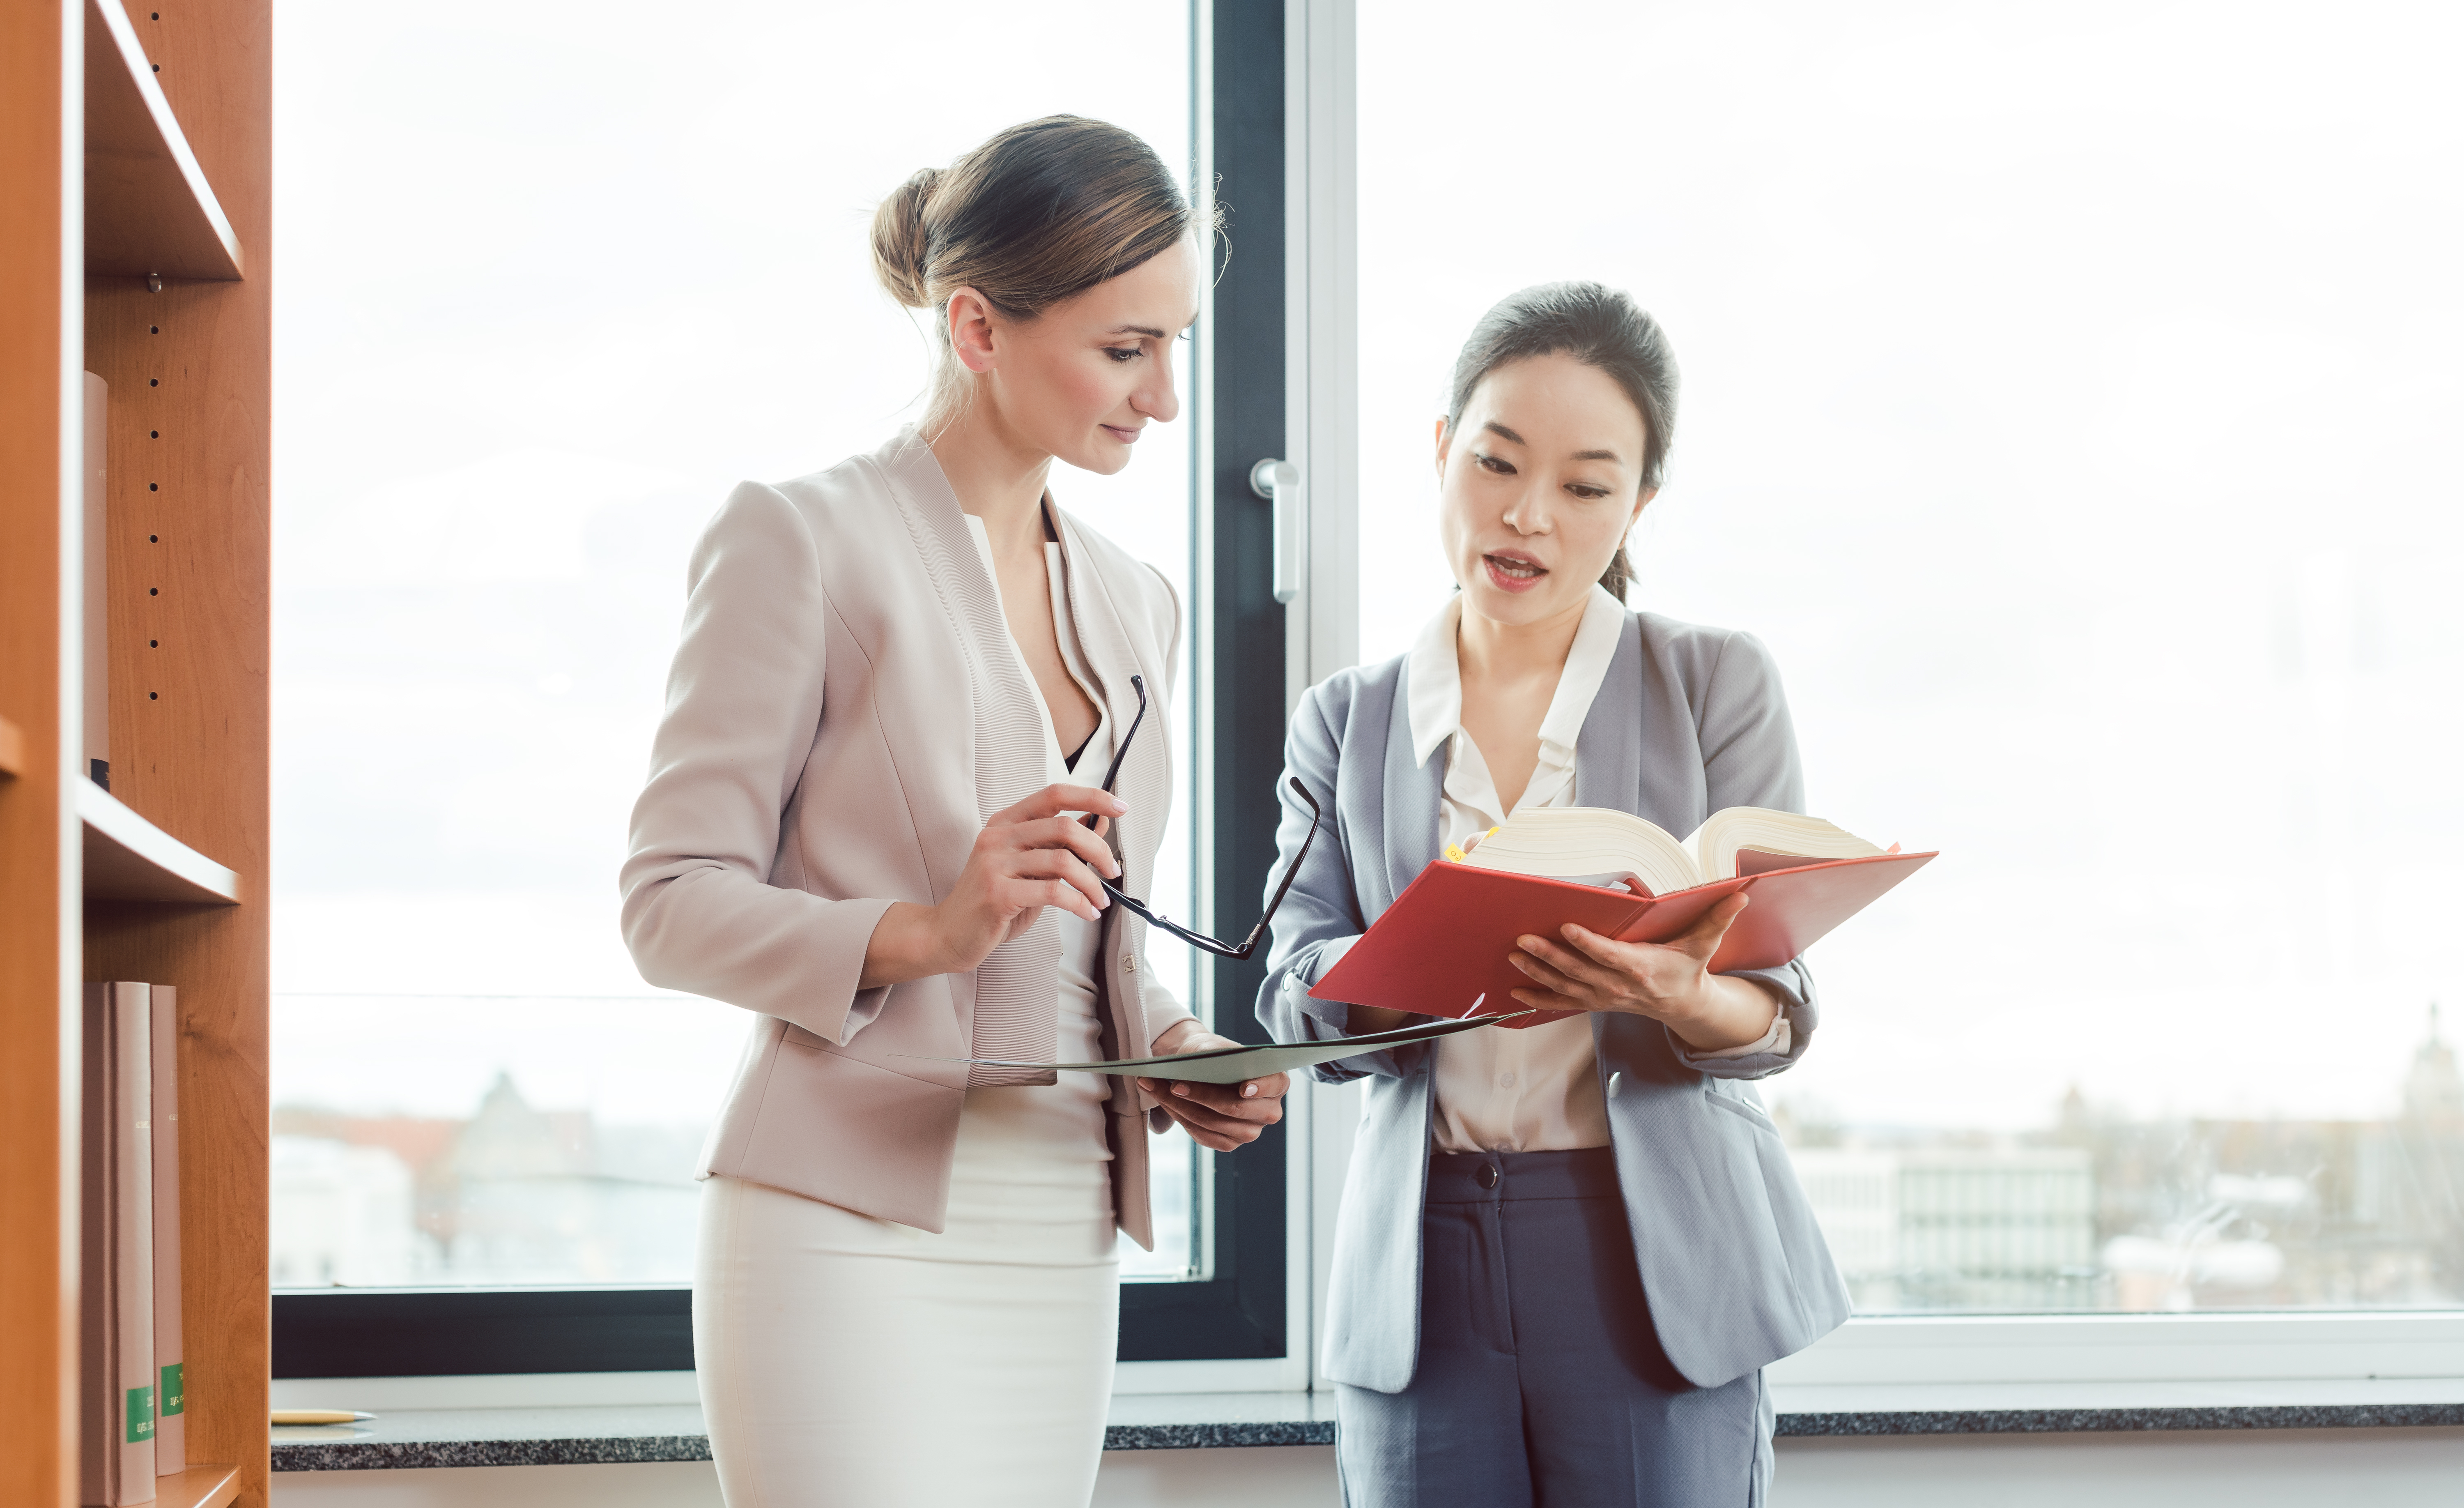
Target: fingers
1219,1118
1562,968
1703,939
1053,800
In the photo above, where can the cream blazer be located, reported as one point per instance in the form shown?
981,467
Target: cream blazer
844,714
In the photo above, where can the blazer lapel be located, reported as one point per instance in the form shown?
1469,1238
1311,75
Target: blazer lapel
1608,753
1413,792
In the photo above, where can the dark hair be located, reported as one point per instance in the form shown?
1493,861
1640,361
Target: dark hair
1599,327
1040,213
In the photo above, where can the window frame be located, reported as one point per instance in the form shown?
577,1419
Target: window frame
1252,1324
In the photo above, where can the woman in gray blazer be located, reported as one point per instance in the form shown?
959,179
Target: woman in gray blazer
1565,1252
903,680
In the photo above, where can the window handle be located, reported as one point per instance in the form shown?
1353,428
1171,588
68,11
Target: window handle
1279,482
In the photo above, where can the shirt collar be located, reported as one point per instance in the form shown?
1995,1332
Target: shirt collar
1433,677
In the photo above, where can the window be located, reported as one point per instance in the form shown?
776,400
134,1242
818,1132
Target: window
599,275
2067,405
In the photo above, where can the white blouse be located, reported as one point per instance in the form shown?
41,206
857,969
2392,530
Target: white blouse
1538,1089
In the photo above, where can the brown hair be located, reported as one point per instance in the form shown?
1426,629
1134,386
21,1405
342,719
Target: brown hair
1599,327
1040,213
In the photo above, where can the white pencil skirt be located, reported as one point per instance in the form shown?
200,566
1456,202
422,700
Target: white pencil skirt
847,1360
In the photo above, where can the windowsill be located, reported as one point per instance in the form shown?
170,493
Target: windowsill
617,1434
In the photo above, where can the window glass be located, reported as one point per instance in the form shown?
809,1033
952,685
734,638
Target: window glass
546,291
2068,405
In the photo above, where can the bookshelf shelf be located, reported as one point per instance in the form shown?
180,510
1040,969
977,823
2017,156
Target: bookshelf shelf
198,1487
149,207
12,748
129,859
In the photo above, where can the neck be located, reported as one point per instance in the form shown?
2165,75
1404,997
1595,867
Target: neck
998,476
1493,652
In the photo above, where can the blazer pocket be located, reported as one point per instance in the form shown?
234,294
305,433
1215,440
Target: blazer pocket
797,1036
1733,1106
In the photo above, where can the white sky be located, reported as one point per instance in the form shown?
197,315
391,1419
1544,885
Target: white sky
2067,404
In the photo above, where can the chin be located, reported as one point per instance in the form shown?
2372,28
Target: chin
1103,456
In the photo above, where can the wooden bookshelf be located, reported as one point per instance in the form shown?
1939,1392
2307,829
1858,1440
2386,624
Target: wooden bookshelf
130,264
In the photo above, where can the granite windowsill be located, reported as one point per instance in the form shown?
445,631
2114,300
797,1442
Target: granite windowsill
1186,1420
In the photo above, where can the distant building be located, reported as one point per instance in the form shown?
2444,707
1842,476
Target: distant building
342,1215
1912,1227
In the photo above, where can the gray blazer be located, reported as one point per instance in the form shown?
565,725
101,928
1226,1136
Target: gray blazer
1689,720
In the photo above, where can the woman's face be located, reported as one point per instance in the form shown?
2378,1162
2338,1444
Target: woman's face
1084,379
1536,487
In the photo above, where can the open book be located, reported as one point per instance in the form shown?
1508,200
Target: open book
1449,937
1597,846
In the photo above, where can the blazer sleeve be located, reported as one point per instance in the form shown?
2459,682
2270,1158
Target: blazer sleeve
1321,918
744,705
1750,760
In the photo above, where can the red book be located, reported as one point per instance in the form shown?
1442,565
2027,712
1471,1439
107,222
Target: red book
1442,948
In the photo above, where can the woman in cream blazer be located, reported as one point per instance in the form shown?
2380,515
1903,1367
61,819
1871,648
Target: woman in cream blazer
878,818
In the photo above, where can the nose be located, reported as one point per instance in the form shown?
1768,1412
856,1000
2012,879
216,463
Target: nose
1529,511
1157,397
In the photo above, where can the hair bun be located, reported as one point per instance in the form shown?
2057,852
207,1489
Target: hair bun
900,244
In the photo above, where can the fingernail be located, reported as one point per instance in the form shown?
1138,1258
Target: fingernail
1248,1091
1119,806
1180,1089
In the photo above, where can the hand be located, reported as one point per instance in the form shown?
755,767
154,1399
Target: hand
1221,1116
1669,982
1028,858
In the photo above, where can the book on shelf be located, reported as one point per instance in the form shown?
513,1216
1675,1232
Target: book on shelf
1447,940
171,1374
115,1278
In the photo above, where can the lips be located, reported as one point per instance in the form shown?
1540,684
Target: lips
1512,570
1124,436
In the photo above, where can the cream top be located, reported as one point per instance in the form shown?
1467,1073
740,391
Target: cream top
1535,1090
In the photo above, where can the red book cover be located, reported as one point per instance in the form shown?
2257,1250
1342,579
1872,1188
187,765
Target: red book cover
1442,947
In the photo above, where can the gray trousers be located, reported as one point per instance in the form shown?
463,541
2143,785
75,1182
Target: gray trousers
1541,1382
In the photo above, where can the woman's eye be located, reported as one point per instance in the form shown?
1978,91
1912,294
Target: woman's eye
1123,353
1587,494
1493,464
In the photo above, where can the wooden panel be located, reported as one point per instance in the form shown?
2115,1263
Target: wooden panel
129,859
190,536
197,1487
149,207
13,747
38,1181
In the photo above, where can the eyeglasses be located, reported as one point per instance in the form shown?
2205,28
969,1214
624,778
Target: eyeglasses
1199,939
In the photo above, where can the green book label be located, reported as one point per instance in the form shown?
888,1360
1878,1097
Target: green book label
140,1415
174,1397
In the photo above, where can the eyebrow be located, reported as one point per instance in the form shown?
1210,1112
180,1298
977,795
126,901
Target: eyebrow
1504,433
1146,330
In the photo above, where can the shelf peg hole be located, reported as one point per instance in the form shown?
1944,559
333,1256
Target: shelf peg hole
153,591
153,538
153,381
153,486
153,696
153,644
153,435
153,329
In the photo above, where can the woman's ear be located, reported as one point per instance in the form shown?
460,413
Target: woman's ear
1442,438
971,329
1641,500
